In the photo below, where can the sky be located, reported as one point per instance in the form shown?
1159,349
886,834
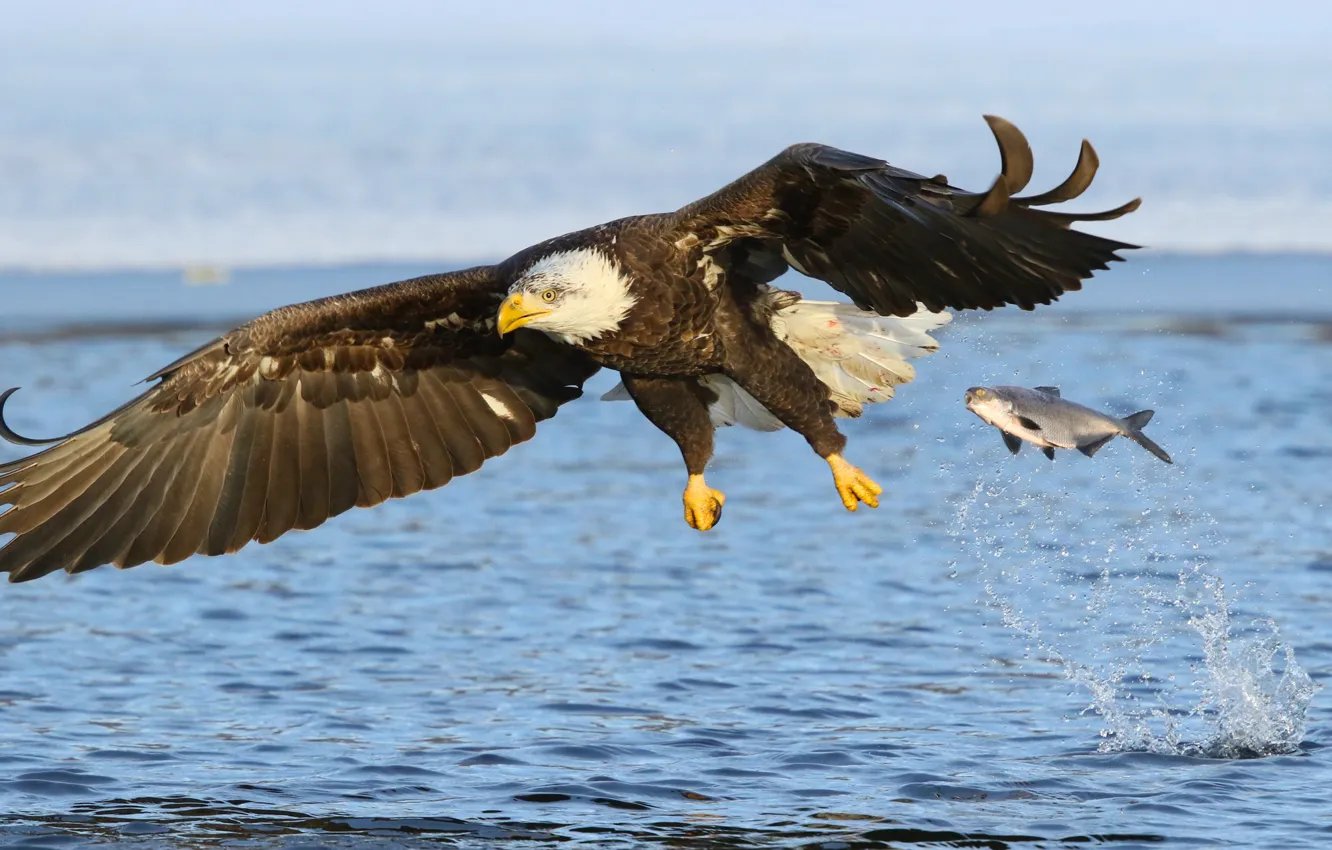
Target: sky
1281,25
147,134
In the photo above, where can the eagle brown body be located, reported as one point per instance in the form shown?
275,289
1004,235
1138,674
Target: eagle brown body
350,400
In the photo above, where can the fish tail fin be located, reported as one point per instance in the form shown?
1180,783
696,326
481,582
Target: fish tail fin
1133,425
1138,421
1146,442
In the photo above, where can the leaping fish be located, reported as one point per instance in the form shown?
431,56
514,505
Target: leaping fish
1043,418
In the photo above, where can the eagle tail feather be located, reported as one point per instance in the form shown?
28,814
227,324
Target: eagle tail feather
860,355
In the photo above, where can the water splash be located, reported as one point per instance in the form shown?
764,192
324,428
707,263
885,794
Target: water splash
1244,694
1251,709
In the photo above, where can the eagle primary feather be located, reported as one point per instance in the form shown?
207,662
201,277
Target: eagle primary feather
350,400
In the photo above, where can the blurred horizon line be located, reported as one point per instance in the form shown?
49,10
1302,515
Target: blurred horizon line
205,269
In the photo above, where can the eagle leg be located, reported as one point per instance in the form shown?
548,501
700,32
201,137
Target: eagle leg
679,407
702,504
853,485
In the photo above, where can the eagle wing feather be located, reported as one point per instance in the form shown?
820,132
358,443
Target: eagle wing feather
892,239
285,422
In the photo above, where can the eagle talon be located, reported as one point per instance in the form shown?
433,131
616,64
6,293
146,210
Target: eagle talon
853,485
702,504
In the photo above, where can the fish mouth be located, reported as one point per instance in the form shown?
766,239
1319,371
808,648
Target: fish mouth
979,401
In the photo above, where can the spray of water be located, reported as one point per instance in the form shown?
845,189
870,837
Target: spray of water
1252,708
1124,627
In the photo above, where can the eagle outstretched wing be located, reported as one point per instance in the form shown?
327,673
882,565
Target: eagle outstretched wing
892,239
291,419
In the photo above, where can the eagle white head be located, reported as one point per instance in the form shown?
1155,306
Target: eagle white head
574,296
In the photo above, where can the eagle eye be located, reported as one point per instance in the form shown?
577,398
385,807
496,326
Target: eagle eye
548,295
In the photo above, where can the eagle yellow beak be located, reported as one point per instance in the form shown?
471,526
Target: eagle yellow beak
513,315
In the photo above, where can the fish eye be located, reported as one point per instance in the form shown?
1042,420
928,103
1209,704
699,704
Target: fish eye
548,295
981,393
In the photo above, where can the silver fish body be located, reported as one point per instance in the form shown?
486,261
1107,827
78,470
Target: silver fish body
1041,417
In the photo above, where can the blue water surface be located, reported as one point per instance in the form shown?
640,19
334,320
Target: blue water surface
544,650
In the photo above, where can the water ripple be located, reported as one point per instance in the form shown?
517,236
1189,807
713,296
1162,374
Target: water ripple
543,652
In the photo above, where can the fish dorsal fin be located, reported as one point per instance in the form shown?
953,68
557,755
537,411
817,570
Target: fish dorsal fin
1054,391
1029,424
1014,443
1090,448
1048,451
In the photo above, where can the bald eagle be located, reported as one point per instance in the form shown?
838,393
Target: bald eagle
345,401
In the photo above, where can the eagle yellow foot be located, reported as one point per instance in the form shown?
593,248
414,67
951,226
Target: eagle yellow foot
702,504
853,485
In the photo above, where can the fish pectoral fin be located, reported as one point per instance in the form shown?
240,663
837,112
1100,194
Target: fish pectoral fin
1029,424
1054,391
1014,443
1048,451
1091,448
